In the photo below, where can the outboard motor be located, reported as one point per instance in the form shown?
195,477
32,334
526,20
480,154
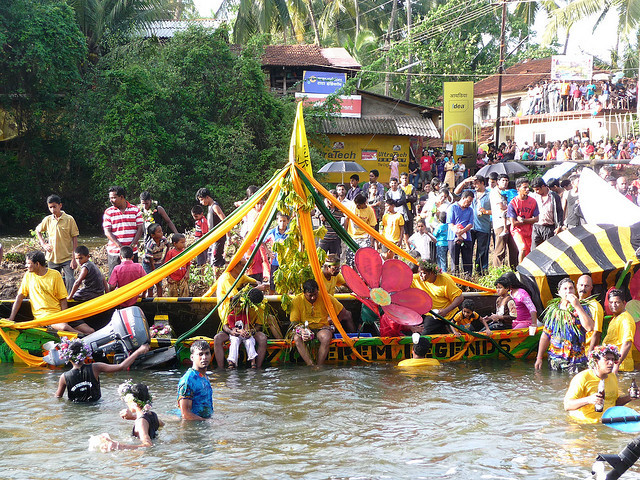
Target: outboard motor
128,329
620,462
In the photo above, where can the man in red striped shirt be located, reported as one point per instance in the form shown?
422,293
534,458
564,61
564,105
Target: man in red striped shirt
122,224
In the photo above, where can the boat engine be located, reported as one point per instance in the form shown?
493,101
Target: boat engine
127,330
620,462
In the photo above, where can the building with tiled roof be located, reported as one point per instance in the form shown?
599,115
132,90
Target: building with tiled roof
517,124
285,64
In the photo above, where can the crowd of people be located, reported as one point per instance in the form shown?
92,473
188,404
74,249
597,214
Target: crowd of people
556,96
585,145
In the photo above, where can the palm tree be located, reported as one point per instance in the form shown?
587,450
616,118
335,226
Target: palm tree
97,18
627,11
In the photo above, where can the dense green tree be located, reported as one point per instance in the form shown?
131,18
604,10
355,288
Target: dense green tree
171,119
41,49
100,18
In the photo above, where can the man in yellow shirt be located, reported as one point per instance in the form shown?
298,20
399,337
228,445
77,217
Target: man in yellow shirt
224,284
331,273
444,293
62,240
307,307
582,395
365,213
392,225
622,330
46,292
594,310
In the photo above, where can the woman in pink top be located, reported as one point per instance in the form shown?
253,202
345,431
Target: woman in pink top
526,313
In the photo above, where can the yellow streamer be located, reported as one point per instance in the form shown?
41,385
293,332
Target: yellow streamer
30,360
391,246
251,237
306,229
115,298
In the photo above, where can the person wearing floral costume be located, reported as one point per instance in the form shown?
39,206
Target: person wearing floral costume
565,327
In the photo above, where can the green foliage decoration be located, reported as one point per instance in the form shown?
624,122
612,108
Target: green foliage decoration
293,258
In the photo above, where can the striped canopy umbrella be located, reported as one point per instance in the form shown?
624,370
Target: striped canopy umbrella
599,250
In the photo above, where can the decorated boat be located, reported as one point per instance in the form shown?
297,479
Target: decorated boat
291,189
444,348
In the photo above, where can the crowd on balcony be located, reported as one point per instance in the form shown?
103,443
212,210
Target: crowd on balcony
555,96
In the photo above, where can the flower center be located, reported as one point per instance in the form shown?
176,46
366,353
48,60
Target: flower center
380,297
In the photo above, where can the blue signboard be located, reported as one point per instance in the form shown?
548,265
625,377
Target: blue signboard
323,82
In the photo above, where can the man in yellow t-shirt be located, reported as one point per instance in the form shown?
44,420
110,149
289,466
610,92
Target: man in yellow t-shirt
444,293
307,307
331,273
392,225
622,330
224,284
62,240
582,395
584,287
365,213
46,292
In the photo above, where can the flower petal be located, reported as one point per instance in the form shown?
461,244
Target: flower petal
354,282
371,306
417,300
402,315
396,276
369,265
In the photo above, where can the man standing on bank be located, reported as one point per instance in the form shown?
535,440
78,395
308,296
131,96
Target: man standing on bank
62,240
215,215
123,226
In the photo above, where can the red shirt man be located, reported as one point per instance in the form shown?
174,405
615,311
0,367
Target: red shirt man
523,212
426,162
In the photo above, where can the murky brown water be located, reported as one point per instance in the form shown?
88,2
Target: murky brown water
475,420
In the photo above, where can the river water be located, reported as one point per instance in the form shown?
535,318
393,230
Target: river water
466,420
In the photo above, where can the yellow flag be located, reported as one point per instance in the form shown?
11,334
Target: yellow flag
299,148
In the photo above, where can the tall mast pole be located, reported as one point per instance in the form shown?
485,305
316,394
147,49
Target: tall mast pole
500,73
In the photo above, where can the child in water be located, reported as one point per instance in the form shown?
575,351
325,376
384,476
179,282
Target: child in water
147,423
82,381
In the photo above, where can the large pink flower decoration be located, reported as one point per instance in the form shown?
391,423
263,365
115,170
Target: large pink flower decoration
388,286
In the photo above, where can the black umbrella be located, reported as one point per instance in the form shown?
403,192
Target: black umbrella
342,167
503,167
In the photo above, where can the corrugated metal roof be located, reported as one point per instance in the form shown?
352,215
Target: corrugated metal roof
401,125
168,28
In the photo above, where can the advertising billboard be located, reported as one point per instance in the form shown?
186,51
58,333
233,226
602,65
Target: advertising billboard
350,105
323,82
571,67
458,112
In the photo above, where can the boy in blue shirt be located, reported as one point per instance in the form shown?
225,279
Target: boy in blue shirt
442,244
195,395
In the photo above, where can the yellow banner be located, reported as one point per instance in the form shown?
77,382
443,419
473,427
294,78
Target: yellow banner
299,148
458,112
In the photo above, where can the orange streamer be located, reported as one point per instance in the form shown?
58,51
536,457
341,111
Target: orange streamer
391,246
306,229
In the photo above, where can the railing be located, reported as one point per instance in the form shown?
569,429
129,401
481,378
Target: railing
544,163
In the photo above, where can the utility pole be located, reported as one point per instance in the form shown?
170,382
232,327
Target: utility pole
387,47
407,92
500,73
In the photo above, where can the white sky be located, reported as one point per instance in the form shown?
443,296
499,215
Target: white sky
581,41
